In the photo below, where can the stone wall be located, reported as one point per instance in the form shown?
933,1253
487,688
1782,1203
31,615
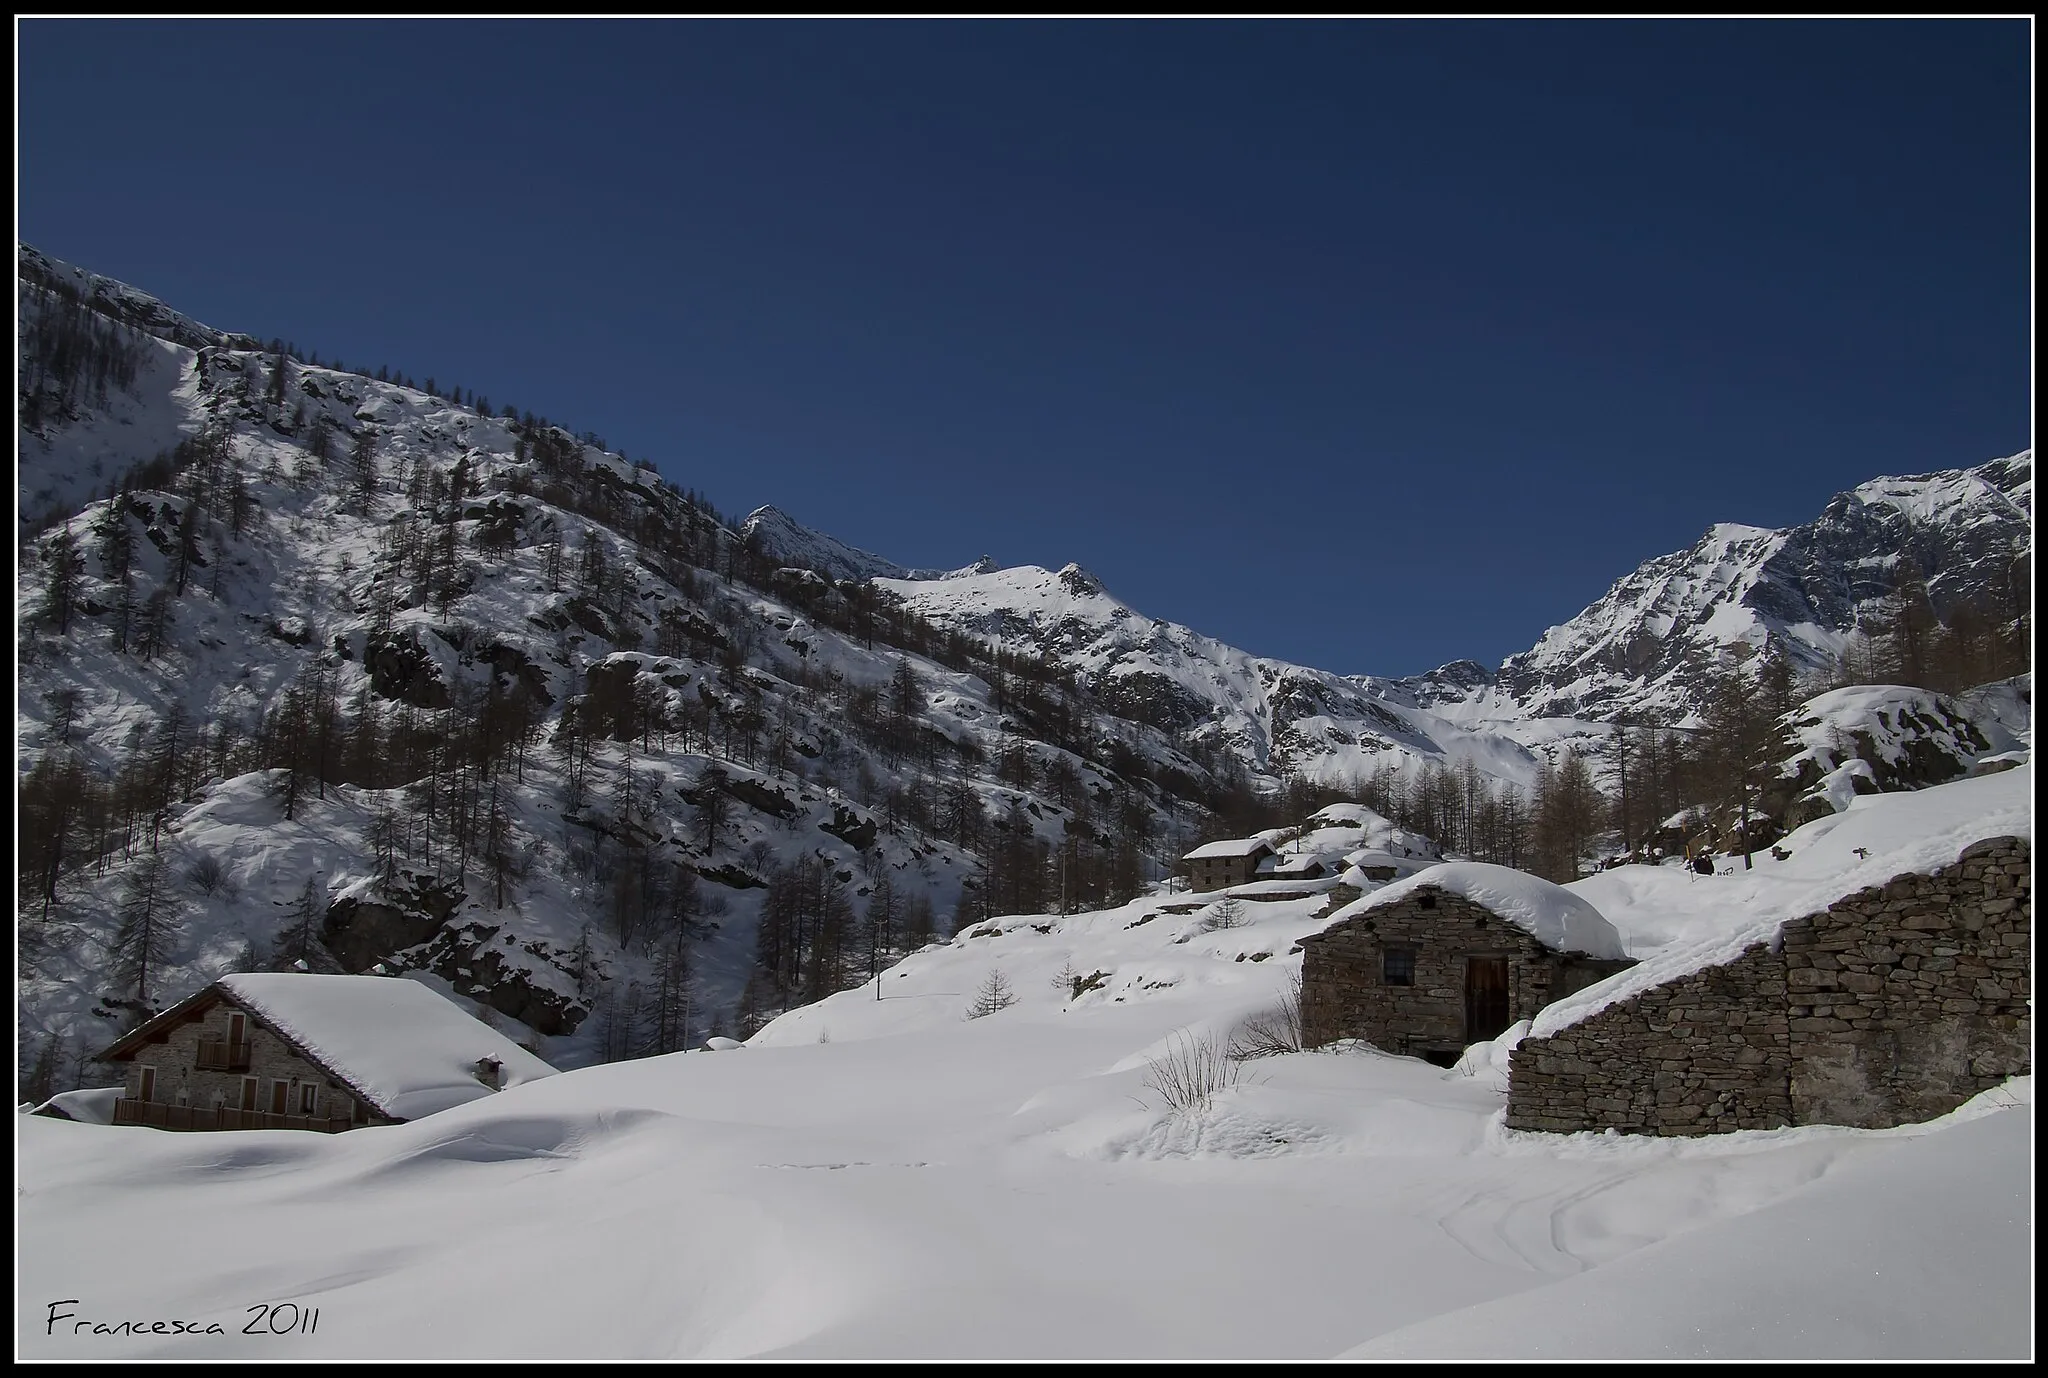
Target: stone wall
271,1059
1344,993
1908,999
1893,1006
1701,1054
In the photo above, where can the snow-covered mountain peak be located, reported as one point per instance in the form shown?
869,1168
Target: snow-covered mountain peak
1805,589
2000,486
1077,580
786,539
123,303
1733,535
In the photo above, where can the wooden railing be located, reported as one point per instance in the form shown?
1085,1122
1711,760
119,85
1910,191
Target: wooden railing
219,1055
159,1116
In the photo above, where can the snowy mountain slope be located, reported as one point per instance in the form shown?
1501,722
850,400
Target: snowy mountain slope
1637,648
297,574
123,303
131,399
885,1178
1271,715
485,625
791,543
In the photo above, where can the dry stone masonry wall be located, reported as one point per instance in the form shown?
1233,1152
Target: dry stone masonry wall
1895,1005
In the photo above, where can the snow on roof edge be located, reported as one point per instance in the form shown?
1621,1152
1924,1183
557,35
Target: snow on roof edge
1549,913
1674,964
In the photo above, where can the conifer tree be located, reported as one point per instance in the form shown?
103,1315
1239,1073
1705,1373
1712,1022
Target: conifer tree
60,580
148,924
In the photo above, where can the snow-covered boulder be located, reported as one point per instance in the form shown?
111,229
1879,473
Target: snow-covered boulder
1872,738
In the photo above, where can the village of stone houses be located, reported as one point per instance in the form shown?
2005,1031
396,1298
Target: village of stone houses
718,942
1671,1087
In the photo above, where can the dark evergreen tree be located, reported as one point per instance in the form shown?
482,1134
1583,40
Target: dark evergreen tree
60,580
148,924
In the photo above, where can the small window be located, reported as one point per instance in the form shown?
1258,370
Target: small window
1397,966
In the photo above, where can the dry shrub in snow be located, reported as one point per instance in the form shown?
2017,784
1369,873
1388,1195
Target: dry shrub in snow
209,876
1190,1072
1271,1032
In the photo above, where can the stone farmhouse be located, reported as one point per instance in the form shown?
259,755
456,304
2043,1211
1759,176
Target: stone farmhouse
1219,865
290,1050
1893,1005
1453,955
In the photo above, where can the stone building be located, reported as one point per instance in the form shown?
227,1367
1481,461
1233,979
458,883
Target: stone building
297,1051
1301,866
1893,1005
1451,956
1219,865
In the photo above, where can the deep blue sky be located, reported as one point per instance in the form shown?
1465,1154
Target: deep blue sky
1369,345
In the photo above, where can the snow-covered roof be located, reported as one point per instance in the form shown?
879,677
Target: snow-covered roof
1550,914
1235,846
1374,857
398,1044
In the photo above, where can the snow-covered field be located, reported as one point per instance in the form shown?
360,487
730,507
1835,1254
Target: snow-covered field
887,1178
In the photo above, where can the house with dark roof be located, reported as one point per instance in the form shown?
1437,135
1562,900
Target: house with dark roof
1451,956
292,1050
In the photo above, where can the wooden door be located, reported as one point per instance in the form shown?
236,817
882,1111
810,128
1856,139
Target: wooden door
148,1084
1486,998
248,1093
278,1091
